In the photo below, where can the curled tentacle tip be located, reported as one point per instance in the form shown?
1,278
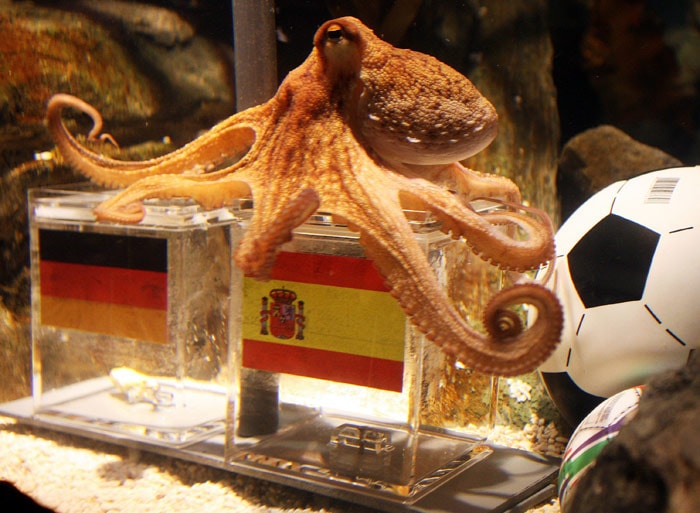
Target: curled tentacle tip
504,324
524,349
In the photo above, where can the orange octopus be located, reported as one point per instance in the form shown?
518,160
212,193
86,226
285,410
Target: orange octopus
362,130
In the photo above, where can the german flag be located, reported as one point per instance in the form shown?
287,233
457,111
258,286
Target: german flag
102,283
327,317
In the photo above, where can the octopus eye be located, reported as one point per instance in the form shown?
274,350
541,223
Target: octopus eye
334,33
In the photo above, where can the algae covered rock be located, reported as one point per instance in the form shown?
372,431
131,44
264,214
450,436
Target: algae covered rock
45,51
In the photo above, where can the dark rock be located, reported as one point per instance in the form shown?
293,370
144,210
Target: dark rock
199,74
192,70
653,465
147,73
600,156
46,51
162,25
16,501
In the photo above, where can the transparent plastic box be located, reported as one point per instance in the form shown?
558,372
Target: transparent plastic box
130,323
334,384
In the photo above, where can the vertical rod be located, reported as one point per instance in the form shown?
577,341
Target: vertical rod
255,51
255,59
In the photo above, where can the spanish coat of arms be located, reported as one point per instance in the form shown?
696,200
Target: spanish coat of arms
283,317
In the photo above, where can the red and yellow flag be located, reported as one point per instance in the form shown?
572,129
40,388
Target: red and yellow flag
107,284
327,317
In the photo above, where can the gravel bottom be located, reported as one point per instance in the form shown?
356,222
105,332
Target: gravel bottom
70,474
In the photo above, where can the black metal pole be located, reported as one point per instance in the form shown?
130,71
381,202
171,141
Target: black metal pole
255,58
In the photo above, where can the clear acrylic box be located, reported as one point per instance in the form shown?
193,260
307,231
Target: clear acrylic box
334,384
130,323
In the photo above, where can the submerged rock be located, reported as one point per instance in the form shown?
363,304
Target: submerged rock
600,156
146,70
192,70
45,51
653,465
158,23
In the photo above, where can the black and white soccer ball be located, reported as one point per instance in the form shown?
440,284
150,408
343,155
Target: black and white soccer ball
628,275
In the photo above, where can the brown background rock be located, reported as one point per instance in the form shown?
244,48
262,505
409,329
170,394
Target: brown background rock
45,51
145,83
600,156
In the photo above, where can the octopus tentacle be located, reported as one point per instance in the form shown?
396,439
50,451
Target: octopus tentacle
257,252
238,132
467,183
505,218
127,206
483,236
504,353
58,101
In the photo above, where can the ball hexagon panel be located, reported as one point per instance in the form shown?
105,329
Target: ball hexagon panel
675,284
616,345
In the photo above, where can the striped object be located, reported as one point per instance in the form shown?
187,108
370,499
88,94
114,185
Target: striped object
327,317
594,433
106,284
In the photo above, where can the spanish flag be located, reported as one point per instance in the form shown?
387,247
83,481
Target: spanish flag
102,283
327,317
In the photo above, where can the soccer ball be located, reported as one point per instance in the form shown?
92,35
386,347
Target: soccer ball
591,436
627,273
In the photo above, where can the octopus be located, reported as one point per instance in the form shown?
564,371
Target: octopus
365,132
